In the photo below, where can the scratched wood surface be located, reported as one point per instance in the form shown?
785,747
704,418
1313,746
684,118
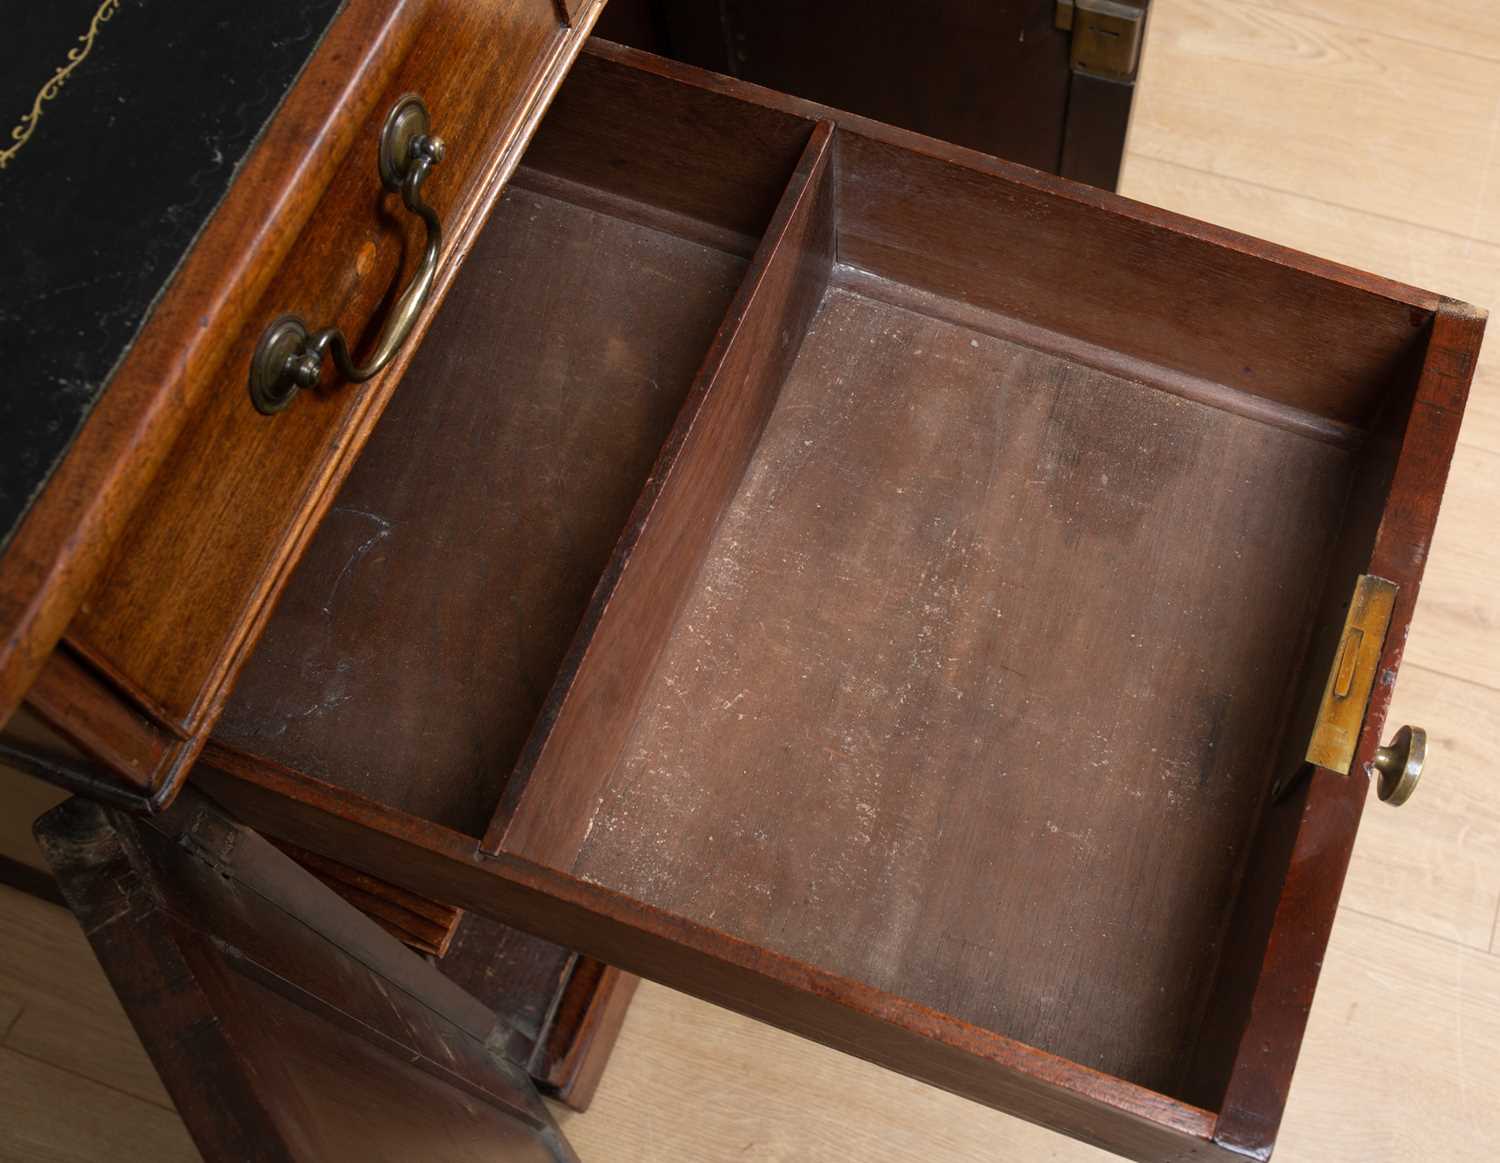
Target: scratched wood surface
935,527
1410,985
358,679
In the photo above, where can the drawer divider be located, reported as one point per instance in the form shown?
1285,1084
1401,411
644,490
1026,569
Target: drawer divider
588,714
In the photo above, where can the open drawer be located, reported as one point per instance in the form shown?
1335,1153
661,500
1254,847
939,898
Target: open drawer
883,590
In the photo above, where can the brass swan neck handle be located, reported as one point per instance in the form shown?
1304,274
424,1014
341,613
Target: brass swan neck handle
289,357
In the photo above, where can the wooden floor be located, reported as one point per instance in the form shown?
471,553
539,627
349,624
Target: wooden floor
1364,130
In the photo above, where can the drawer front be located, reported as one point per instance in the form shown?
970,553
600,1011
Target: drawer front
209,247
179,605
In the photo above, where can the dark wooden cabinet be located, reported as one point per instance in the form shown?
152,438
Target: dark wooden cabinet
936,607
1047,83
285,1025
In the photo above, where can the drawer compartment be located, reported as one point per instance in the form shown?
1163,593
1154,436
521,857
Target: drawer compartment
974,694
941,690
413,648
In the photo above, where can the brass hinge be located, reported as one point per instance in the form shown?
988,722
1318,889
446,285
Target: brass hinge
1106,36
211,838
1352,677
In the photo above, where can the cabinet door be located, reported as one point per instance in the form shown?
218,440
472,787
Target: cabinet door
285,1024
999,76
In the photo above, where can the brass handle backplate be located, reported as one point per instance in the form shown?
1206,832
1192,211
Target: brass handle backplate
289,357
1400,763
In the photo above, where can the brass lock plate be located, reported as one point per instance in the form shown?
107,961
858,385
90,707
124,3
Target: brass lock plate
1107,36
1352,676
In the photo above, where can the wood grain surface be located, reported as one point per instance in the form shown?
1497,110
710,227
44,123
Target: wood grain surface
515,465
284,1023
226,557
621,246
651,571
1007,717
167,376
1319,397
1333,115
1409,980
216,539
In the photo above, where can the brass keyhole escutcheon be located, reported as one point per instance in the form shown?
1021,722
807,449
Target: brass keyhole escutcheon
1399,764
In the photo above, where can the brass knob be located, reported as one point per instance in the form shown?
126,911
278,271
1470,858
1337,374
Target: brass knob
1400,765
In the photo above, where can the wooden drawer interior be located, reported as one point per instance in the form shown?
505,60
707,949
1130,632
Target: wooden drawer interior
431,613
861,562
973,694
